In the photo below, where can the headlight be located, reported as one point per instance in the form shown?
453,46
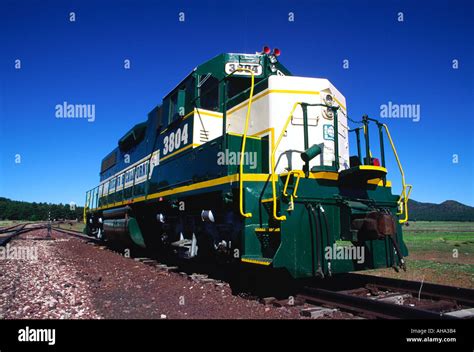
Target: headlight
272,59
273,68
329,101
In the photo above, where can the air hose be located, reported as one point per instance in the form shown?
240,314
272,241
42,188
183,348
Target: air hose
396,246
399,253
319,271
328,237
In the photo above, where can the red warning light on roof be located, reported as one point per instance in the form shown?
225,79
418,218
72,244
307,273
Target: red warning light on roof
276,52
266,50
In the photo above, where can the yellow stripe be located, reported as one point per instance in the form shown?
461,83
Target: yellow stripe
372,167
340,104
266,92
203,112
379,182
230,179
179,151
326,175
188,114
283,91
211,183
200,185
255,261
240,135
272,134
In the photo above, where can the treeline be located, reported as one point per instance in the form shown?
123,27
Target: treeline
17,210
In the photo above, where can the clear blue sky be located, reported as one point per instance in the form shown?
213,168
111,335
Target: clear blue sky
407,62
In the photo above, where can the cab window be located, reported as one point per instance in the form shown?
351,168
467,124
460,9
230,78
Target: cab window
173,106
209,92
236,85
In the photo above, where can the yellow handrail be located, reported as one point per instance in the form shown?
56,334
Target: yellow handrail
404,196
88,195
298,173
283,217
244,139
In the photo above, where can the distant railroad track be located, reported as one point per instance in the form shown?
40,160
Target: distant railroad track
12,228
6,234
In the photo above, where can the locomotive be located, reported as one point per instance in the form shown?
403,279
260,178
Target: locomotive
245,162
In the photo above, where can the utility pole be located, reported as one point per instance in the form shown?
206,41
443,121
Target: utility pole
48,236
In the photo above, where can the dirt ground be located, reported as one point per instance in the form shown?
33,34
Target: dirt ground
72,280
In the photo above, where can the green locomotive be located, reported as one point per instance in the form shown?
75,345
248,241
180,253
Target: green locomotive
246,162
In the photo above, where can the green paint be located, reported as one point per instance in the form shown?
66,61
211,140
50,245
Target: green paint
135,233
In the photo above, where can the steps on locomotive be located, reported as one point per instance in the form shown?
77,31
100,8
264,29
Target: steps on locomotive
186,248
272,223
256,260
283,185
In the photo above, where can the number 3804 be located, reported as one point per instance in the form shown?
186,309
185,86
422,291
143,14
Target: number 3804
175,139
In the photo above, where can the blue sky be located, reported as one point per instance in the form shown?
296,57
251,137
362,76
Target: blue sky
81,62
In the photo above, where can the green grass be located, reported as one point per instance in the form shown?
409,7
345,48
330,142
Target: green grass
431,246
440,267
11,222
442,242
442,236
440,226
76,226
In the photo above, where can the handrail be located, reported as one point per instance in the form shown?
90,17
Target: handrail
298,173
404,196
244,139
85,207
283,217
365,134
245,91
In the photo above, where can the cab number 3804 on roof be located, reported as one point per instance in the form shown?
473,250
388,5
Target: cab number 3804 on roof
232,66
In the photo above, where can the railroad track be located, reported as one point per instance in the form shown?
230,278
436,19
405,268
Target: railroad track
367,307
142,258
462,296
77,234
6,234
373,297
12,228
386,298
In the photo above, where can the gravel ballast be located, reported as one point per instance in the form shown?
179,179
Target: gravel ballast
72,279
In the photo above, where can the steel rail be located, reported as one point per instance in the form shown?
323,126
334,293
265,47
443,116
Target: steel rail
367,306
461,295
77,234
22,229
